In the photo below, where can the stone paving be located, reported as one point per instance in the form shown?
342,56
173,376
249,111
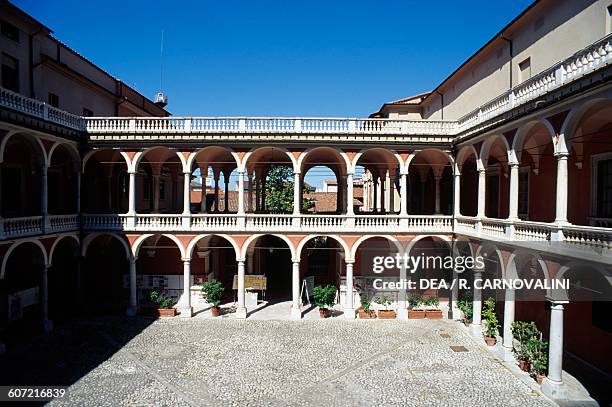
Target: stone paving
311,362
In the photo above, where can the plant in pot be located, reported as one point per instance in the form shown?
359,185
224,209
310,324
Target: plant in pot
466,306
385,313
415,302
522,333
539,356
164,304
432,309
213,291
324,298
491,322
366,311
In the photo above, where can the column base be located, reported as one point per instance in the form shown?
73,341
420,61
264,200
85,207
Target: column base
349,313
47,326
186,312
506,354
241,313
296,313
476,331
554,389
131,312
402,314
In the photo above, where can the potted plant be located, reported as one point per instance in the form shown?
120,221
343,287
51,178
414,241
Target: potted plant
213,290
324,298
165,304
385,313
466,306
523,332
491,322
539,356
366,311
432,309
415,302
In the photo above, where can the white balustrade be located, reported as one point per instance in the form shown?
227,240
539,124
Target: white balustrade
159,222
494,227
104,222
214,222
321,222
23,226
430,223
532,231
269,222
63,223
588,236
466,223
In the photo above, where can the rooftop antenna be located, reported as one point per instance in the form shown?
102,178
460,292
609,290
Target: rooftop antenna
161,100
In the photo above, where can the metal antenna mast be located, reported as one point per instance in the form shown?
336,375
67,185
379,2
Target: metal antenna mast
161,99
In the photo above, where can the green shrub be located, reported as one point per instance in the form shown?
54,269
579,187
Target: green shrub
213,291
523,332
383,301
538,350
324,296
491,321
366,305
466,305
415,301
432,302
160,300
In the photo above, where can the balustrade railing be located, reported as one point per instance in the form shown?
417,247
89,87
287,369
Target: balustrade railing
23,226
64,223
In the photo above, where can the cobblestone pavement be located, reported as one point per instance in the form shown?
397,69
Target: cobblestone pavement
232,362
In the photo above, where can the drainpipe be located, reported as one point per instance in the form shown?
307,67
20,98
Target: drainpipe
509,41
441,104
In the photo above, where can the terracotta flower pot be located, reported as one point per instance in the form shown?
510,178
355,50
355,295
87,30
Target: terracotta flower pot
166,312
416,314
433,314
490,341
366,314
386,314
215,311
539,378
324,312
525,365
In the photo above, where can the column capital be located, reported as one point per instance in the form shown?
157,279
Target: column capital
561,155
186,259
513,164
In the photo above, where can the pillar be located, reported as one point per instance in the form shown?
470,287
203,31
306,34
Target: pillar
508,320
375,194
263,192
552,386
403,194
392,194
454,312
297,192
296,312
44,199
250,192
477,307
514,192
132,193
217,192
257,192
482,178
437,205
349,194
241,193
561,206
349,307
47,326
402,308
186,309
241,311
156,193
186,193
133,306
226,178
203,176
382,192
457,194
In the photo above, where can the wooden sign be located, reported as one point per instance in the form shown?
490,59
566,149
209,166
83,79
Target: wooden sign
252,282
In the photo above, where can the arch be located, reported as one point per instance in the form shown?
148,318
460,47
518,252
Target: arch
195,240
443,238
511,271
398,245
523,133
338,239
339,154
420,153
255,152
35,141
91,153
92,236
485,247
464,153
169,153
389,154
57,241
17,244
487,146
72,151
252,238
221,149
573,120
138,242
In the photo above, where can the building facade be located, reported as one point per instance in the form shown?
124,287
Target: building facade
509,157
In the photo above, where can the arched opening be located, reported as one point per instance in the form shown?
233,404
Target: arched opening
62,181
497,187
159,182
493,269
430,183
215,184
433,252
105,183
537,174
323,179
270,186
105,276
590,167
65,295
468,190
20,290
378,170
21,172
270,256
322,263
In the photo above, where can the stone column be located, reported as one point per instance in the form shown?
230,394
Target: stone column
203,176
241,193
453,309
402,308
349,195
477,307
44,198
217,193
47,325
375,193
250,192
296,312
226,179
508,320
297,192
561,206
552,386
482,178
392,194
437,205
186,194
133,306
404,194
349,307
257,192
457,194
263,192
186,309
241,311
156,193
514,192
382,192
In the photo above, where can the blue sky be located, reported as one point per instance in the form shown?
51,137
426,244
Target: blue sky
277,58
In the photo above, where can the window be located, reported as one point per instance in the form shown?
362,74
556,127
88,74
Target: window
87,112
10,73
524,70
53,99
604,188
9,31
523,193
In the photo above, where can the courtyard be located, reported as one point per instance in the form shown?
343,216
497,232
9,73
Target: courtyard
142,361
